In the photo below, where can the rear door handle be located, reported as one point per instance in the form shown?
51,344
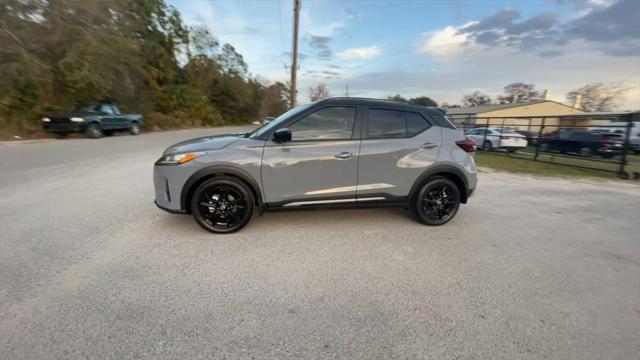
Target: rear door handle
428,146
344,155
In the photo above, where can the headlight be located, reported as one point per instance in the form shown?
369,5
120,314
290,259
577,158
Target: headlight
175,159
77,119
46,120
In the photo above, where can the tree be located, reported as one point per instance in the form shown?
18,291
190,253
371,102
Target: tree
274,100
519,92
597,96
318,92
476,98
398,98
424,101
231,61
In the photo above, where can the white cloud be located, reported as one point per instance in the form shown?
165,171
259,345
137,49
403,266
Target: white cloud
445,44
360,53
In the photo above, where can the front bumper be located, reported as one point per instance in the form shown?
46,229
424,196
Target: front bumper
168,183
169,210
63,127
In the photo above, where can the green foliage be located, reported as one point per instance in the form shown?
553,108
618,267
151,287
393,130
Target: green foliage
57,53
420,100
424,101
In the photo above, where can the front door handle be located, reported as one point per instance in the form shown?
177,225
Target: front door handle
344,155
428,146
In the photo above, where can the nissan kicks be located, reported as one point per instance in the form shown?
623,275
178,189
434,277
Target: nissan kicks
335,153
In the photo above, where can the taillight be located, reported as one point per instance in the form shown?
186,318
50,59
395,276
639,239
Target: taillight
468,145
606,142
503,137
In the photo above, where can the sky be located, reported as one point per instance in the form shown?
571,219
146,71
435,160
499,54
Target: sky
440,49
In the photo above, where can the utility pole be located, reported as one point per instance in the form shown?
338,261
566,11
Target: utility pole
294,53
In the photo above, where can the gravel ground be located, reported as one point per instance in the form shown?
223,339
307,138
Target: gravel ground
89,268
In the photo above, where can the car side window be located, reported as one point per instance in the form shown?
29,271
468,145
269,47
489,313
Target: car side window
106,109
387,124
115,110
564,135
416,124
331,123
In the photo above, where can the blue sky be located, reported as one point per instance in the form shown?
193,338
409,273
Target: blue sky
440,49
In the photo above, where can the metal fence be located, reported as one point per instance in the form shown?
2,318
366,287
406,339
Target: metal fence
607,142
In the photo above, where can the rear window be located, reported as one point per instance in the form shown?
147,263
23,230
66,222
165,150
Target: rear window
395,124
387,124
585,136
416,124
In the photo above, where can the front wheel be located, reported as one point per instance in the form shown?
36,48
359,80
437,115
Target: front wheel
222,205
134,129
94,131
437,202
586,152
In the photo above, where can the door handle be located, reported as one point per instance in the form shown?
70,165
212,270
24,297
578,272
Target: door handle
344,155
428,146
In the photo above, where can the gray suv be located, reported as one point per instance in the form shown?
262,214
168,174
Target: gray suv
335,153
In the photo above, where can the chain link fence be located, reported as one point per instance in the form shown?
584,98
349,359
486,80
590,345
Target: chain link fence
608,142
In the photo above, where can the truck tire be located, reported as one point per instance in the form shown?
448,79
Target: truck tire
94,131
134,128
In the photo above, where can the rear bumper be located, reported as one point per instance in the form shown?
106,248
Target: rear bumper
609,151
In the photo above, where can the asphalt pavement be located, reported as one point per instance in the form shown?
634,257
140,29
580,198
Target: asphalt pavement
531,268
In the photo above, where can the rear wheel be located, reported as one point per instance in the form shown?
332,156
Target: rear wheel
134,129
544,147
585,151
487,146
437,202
222,205
94,131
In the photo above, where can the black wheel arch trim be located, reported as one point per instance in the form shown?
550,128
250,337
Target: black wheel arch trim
218,170
448,171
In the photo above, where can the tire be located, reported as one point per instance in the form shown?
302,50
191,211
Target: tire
107,132
487,146
585,152
437,201
94,131
544,147
222,205
511,151
134,129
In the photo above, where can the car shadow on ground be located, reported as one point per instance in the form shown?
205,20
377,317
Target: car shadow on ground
303,220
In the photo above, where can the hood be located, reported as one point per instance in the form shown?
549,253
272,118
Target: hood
70,114
203,144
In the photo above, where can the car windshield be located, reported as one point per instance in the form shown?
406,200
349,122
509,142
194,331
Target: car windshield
86,108
277,121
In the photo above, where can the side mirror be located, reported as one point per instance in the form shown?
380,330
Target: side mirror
282,135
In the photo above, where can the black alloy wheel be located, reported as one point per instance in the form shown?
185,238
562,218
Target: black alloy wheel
437,201
222,205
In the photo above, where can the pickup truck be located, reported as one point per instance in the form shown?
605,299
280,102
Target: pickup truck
95,120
